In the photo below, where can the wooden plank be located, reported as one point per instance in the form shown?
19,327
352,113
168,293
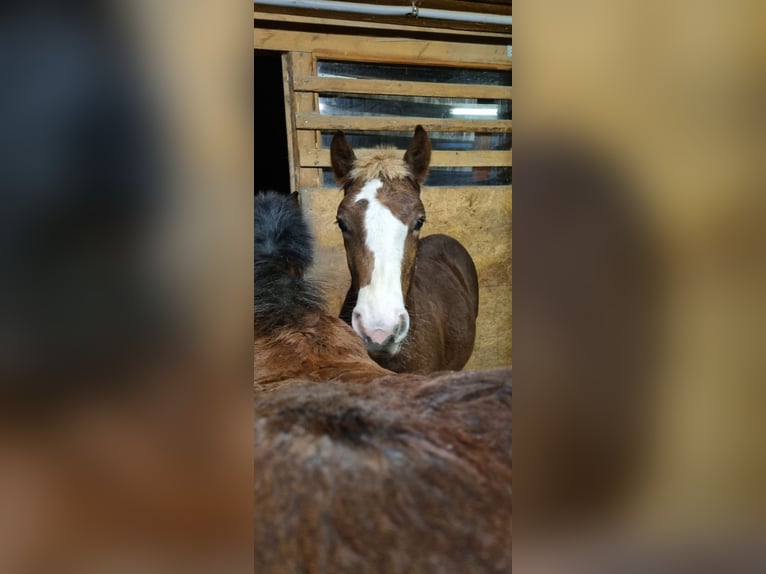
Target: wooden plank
395,88
302,102
316,121
293,153
469,189
439,158
374,25
388,50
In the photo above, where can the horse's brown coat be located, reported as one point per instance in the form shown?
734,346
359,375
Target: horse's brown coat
405,473
439,279
324,349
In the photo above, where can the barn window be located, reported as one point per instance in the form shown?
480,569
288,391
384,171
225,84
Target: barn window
472,99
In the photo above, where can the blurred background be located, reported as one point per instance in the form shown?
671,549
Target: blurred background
126,173
125,370
639,280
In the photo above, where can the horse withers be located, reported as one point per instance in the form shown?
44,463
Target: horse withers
413,301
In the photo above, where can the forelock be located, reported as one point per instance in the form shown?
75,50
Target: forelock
382,162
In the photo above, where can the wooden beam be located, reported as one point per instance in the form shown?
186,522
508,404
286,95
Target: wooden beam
363,48
397,88
437,189
299,63
439,158
316,121
376,25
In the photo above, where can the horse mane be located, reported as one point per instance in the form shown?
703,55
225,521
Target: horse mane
282,252
385,161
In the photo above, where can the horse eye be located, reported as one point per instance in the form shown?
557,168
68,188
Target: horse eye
342,225
419,223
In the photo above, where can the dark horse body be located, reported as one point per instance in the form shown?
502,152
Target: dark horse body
413,301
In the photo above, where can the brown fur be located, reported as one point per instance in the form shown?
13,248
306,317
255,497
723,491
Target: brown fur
405,473
443,323
324,349
439,279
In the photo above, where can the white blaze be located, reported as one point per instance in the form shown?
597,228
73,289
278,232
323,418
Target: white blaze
381,303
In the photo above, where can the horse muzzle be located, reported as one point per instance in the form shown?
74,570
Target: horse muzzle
389,348
381,339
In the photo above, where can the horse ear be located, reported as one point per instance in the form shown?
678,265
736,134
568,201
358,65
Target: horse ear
341,156
418,154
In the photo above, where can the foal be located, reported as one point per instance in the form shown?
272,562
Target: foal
294,336
412,301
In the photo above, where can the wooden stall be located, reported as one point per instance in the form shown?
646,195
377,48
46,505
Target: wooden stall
376,78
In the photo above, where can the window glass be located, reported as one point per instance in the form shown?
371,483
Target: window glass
382,105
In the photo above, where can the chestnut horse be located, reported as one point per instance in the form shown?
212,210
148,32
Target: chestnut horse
412,301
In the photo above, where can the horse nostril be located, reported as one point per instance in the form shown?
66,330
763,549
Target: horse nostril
401,327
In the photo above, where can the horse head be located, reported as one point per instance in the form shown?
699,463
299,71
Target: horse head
380,217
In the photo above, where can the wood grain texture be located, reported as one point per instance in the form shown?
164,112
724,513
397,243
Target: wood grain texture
315,121
401,88
363,48
439,158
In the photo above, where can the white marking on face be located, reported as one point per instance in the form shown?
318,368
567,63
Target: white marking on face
380,304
